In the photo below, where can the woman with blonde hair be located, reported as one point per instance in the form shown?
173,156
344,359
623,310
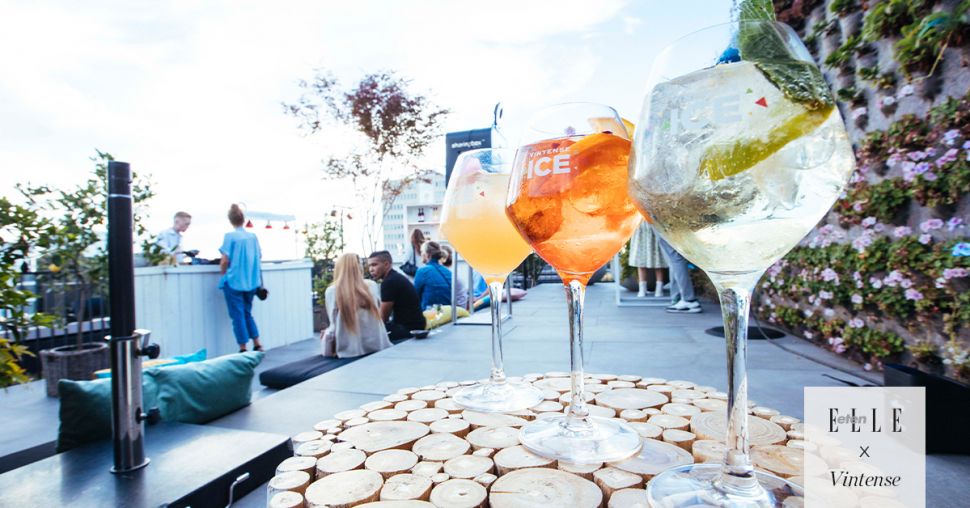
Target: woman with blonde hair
353,304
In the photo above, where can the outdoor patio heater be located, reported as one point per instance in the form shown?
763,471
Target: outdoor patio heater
128,345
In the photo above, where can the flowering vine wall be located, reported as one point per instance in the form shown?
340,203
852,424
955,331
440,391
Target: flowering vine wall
884,277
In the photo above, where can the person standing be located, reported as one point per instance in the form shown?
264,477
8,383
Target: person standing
356,327
170,240
413,260
400,306
645,254
241,277
433,281
683,298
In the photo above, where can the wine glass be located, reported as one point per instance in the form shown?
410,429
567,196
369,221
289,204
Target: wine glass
568,199
474,222
741,152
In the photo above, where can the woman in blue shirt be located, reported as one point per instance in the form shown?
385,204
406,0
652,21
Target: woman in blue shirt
241,277
433,281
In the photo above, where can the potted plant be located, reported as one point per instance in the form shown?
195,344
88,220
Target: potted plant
324,242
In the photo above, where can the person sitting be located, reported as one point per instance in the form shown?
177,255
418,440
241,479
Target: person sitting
433,281
461,296
400,309
356,327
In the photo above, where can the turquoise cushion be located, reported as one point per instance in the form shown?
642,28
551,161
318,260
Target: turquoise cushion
197,356
203,391
85,410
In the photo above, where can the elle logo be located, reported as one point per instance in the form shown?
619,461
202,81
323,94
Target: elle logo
856,421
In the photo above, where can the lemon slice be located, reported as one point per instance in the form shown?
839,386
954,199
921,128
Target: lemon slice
724,161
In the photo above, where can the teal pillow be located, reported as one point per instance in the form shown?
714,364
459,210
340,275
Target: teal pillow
85,410
203,391
197,356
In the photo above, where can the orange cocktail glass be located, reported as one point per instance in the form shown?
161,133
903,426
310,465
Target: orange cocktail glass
568,199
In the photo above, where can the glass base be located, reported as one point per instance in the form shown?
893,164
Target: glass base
586,441
498,397
694,485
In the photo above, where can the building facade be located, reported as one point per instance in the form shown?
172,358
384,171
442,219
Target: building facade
418,206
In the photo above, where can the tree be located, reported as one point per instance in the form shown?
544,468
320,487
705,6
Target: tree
324,242
77,220
393,127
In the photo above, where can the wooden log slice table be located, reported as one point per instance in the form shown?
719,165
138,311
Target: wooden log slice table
418,448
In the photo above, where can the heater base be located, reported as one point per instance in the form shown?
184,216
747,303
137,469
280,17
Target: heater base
191,465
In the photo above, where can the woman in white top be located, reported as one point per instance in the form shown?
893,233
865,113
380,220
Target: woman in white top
355,327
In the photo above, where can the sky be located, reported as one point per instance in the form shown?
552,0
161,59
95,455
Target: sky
190,92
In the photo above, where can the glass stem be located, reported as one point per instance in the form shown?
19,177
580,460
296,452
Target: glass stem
738,473
498,368
575,297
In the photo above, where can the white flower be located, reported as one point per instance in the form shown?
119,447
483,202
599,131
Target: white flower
888,101
905,91
858,113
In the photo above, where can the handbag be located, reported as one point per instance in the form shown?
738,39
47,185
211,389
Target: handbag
409,268
261,292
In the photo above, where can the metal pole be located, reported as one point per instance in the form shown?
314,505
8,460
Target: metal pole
127,429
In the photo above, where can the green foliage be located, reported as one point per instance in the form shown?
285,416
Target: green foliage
11,372
851,95
842,7
324,242
841,58
924,41
871,74
886,18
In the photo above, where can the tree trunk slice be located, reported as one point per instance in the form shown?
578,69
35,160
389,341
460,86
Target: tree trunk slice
550,394
797,435
477,419
567,397
546,406
653,458
717,395
681,384
286,499
486,480
594,389
620,384
459,493
440,447
439,478
665,389
493,437
428,395
713,425
387,415
354,422
376,436
411,405
315,449
611,479
647,430
517,457
584,470
406,487
327,425
304,437
595,410
799,444
484,452
349,414
630,378
427,468
784,421
341,446
682,410
784,461
629,498
647,381
394,398
397,504
559,384
427,415
534,487
666,421
305,464
707,450
449,405
556,373
468,466
680,438
710,404
634,415
454,426
295,481
408,390
687,395
343,490
765,412
444,385
374,406
391,462
338,462
630,398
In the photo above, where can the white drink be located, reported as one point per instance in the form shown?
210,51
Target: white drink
736,174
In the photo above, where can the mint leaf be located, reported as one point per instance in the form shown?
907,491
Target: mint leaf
760,43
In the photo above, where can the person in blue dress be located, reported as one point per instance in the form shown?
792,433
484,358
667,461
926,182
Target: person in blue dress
433,281
241,276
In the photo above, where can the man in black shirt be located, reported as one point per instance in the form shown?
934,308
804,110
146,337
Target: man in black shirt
400,306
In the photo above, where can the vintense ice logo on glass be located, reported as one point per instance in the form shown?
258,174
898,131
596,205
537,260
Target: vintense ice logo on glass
865,447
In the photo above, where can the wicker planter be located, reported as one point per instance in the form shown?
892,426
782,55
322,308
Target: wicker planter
67,362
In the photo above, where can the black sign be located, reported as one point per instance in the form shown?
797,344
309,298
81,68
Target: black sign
458,142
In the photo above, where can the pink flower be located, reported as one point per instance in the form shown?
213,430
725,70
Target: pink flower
829,275
879,227
809,335
929,176
857,206
950,136
954,273
807,312
940,282
867,366
906,90
930,225
835,341
840,349
858,113
902,231
829,313
909,170
868,222
954,223
856,323
876,283
948,157
856,298
925,239
906,283
912,294
917,156
825,295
